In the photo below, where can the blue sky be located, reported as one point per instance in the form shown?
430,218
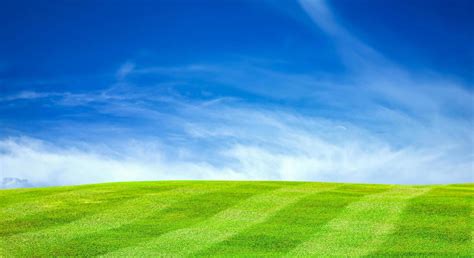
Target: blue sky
347,91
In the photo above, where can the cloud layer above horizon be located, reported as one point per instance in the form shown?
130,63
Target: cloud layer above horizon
323,103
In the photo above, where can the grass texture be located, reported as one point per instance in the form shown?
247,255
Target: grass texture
200,218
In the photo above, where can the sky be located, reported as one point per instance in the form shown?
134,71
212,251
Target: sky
342,91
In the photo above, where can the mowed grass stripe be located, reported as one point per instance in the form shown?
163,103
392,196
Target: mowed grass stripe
191,210
293,224
223,225
361,227
125,213
437,223
16,196
32,202
64,208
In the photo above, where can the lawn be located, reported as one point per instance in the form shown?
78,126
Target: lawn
202,218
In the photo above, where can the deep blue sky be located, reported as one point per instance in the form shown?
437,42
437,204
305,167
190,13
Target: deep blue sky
90,77
63,39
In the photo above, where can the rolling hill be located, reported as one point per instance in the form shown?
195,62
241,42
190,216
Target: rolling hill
202,218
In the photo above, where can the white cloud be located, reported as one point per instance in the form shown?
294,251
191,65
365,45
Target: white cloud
237,142
43,164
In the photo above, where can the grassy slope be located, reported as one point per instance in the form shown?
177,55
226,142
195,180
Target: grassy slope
236,218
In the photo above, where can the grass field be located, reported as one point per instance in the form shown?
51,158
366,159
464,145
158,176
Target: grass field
198,218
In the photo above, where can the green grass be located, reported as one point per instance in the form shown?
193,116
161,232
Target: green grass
199,218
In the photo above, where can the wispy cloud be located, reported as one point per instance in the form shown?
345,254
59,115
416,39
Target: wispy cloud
124,70
28,95
229,141
392,136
